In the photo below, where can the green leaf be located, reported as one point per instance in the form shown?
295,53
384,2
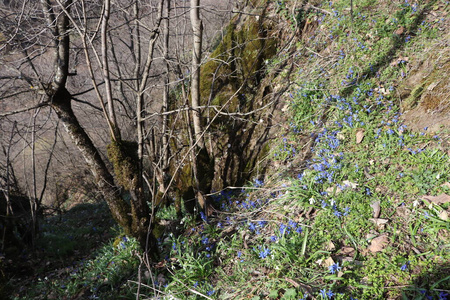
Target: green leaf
273,294
290,294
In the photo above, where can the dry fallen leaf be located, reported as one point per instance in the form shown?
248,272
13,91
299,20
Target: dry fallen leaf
347,251
376,208
443,215
378,243
359,136
441,199
403,211
447,184
433,85
349,184
400,30
379,222
330,246
333,190
328,262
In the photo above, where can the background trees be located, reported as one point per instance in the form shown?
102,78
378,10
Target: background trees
98,68
148,113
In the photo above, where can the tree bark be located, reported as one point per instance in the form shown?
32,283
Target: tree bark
105,68
61,102
203,168
197,29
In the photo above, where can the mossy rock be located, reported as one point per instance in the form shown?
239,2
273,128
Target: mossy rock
237,61
236,78
413,98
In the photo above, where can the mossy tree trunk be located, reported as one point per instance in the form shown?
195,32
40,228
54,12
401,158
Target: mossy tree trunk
61,102
135,217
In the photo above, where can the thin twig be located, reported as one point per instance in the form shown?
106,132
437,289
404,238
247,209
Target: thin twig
9,113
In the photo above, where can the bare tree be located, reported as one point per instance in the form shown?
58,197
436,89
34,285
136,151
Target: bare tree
97,65
203,170
62,20
197,33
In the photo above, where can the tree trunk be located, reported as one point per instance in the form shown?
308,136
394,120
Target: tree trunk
197,29
61,102
202,164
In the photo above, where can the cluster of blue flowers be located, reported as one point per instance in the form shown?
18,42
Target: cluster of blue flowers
263,252
286,230
208,293
326,294
250,204
442,295
254,227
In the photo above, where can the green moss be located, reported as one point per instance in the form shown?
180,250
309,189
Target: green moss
123,155
237,61
234,77
413,98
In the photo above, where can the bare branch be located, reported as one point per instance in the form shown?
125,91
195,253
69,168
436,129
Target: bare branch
18,111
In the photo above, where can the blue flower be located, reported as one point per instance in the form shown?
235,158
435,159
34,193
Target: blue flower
346,211
239,255
404,267
203,216
283,229
334,268
264,252
305,296
337,213
262,223
258,183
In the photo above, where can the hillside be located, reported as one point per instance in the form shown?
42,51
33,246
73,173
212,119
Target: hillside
350,196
